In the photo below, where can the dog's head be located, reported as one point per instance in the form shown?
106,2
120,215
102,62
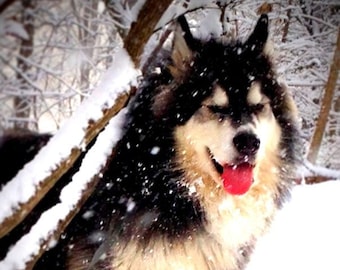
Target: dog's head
229,113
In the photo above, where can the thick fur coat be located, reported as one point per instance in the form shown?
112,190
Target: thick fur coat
163,201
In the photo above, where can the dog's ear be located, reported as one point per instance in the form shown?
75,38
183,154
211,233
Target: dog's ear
181,56
181,53
162,99
257,41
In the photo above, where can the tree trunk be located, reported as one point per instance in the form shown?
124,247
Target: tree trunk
326,105
86,14
22,103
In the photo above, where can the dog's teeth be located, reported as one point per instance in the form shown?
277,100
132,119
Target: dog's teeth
217,165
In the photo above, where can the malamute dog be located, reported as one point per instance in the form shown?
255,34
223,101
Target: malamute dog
205,162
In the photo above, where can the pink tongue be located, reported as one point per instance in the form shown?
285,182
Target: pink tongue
237,179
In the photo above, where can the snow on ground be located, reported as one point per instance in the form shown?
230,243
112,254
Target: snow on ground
305,234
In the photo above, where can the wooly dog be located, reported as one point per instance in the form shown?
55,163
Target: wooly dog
204,165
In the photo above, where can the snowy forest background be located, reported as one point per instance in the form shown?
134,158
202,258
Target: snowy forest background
53,54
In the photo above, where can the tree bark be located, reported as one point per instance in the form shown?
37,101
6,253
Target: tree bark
22,103
326,104
86,14
147,20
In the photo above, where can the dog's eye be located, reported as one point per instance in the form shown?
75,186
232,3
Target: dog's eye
222,111
257,108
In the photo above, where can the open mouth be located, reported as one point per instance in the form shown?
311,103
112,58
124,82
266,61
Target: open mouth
218,166
237,178
239,162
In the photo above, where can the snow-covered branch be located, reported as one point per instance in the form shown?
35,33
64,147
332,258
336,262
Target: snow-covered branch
38,176
311,173
50,225
148,17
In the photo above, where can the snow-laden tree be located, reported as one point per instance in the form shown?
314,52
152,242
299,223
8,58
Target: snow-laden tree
51,55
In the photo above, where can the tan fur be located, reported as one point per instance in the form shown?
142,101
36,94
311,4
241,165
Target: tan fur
269,49
198,251
254,95
78,257
291,107
220,97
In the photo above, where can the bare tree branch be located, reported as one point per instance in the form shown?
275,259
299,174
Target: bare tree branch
62,225
315,174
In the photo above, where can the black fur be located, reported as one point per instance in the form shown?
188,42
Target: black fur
16,149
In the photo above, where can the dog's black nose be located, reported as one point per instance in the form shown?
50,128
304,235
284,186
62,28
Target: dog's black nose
246,143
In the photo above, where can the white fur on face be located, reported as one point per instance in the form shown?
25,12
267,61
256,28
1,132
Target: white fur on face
205,135
228,218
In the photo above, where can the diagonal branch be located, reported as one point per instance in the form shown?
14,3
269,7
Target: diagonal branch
54,221
64,165
146,22
15,212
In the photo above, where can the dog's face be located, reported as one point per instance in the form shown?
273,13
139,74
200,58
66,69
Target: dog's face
228,108
224,133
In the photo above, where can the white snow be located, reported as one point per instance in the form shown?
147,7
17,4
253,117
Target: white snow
155,150
308,170
208,27
305,234
29,244
24,185
12,27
